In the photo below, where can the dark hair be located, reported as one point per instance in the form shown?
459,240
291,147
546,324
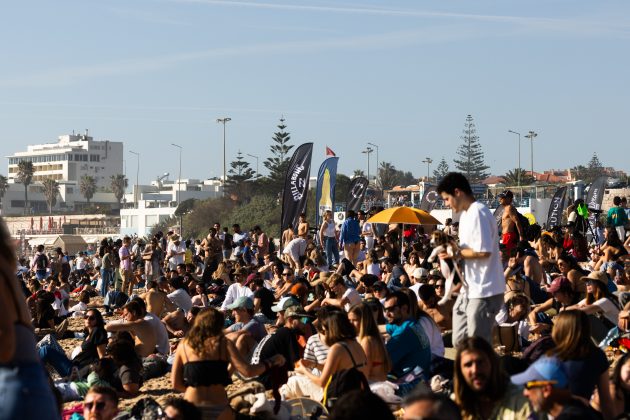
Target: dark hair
100,322
361,405
108,391
442,407
497,381
572,335
616,376
337,328
123,351
134,308
453,181
141,303
105,369
401,299
617,200
186,409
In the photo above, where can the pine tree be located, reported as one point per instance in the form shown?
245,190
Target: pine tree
240,177
594,169
441,170
470,161
278,163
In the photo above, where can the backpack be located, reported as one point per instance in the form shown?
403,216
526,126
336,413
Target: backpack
344,381
42,262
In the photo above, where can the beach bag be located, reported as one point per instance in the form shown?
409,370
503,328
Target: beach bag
507,336
344,381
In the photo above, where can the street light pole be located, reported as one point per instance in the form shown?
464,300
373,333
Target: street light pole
223,121
531,136
519,155
375,145
135,191
255,157
428,161
179,190
367,151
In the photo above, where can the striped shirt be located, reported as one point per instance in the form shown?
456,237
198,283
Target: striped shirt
315,350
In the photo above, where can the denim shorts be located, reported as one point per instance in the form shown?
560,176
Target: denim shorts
25,393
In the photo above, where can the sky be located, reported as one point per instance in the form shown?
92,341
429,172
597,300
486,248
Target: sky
400,74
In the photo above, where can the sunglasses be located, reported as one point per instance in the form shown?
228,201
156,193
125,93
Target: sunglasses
438,285
390,308
90,318
100,405
286,274
538,384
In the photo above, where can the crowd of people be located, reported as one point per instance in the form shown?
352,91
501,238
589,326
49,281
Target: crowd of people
357,317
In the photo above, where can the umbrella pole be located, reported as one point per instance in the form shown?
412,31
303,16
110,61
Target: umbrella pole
402,243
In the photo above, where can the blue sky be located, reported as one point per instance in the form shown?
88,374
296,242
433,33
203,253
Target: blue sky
401,74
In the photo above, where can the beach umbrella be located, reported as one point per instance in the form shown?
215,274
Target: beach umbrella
406,216
32,223
41,223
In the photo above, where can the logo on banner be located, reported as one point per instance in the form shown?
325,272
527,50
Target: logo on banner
432,197
357,190
553,218
297,183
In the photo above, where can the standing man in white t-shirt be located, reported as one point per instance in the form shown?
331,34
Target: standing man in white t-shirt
484,283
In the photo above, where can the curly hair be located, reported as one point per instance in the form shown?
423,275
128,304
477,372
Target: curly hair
208,324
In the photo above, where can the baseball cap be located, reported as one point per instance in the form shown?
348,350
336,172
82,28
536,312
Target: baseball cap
559,283
284,303
506,194
242,302
420,272
295,311
547,369
250,279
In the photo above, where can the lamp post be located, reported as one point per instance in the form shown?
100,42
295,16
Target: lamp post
375,145
428,161
223,121
179,189
519,155
531,136
367,151
135,190
255,157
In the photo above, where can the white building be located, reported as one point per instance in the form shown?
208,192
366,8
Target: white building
157,202
66,161
72,157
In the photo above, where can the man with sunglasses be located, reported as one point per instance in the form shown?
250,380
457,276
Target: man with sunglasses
409,347
237,289
101,403
546,385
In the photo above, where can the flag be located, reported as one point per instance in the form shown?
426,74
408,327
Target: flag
296,186
356,193
429,199
498,214
594,200
329,152
554,216
325,193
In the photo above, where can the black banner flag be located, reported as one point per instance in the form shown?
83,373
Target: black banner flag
554,216
429,199
296,186
356,193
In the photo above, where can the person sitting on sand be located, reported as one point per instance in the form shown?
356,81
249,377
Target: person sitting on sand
200,367
133,321
101,403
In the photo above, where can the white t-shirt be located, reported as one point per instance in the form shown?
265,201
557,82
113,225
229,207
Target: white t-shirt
160,332
354,298
478,231
181,299
435,336
176,259
610,311
296,248
234,292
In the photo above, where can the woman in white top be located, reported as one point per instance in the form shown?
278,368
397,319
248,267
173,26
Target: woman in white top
328,238
598,299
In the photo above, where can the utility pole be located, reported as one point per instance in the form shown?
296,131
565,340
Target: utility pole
367,151
223,121
519,156
531,136
428,161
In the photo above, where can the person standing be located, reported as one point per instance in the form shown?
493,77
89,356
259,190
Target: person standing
510,226
126,257
350,236
481,296
40,263
328,239
617,217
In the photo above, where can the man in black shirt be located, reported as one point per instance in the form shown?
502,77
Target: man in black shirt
284,342
546,385
263,297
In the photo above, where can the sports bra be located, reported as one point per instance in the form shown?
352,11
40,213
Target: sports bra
206,372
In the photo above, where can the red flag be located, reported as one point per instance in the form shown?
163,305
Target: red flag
329,152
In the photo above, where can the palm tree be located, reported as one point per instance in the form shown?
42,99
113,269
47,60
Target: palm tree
4,185
51,190
118,185
87,186
511,177
357,173
25,176
388,176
